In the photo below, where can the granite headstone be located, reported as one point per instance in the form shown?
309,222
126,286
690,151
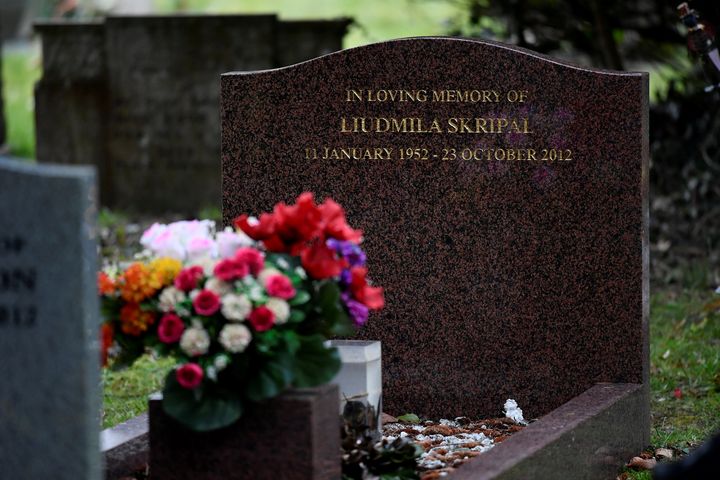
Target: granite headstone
504,199
138,96
49,358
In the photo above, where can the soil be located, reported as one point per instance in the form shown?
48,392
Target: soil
448,444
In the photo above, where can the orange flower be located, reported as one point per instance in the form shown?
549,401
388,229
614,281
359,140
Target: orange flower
135,321
164,270
106,340
106,285
138,283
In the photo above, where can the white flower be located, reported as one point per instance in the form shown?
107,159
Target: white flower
236,307
170,297
201,247
217,286
513,412
280,308
221,361
194,293
234,337
207,264
195,341
228,241
267,272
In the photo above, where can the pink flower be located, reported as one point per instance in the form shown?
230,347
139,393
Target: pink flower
188,278
280,286
171,328
206,303
228,243
262,318
189,375
230,269
252,258
200,246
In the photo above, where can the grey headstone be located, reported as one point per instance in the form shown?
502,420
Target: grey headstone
49,318
139,97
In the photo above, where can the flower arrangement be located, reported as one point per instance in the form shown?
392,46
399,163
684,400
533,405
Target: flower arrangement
246,313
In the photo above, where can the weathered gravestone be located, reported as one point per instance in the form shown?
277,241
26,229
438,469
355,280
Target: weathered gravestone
138,97
504,197
49,358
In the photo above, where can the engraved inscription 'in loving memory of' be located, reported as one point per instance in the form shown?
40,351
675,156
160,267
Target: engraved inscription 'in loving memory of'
492,125
17,283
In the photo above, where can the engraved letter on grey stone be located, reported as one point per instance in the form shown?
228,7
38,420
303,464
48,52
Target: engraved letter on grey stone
49,390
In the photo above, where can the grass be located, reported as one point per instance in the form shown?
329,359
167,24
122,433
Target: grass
20,71
125,392
684,355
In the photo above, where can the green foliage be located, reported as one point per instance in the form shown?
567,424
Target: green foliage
208,407
374,20
409,418
20,71
314,363
684,354
125,393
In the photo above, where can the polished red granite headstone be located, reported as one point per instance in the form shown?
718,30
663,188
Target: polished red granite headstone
504,199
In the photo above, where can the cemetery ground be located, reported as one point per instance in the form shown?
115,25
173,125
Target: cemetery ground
684,355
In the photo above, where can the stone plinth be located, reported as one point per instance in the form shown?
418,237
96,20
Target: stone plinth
295,436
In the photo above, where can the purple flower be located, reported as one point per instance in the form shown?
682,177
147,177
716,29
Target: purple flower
349,251
345,278
358,312
354,255
333,244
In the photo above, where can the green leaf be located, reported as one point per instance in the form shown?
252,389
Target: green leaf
274,376
314,363
328,317
296,316
202,409
409,418
300,298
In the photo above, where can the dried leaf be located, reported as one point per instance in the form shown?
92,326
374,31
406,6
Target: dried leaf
664,453
642,463
385,418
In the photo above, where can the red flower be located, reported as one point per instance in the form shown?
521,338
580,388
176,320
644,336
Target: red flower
264,228
371,297
250,257
280,286
206,303
188,278
321,262
107,334
230,269
262,318
298,223
171,328
677,393
189,375
335,224
106,285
